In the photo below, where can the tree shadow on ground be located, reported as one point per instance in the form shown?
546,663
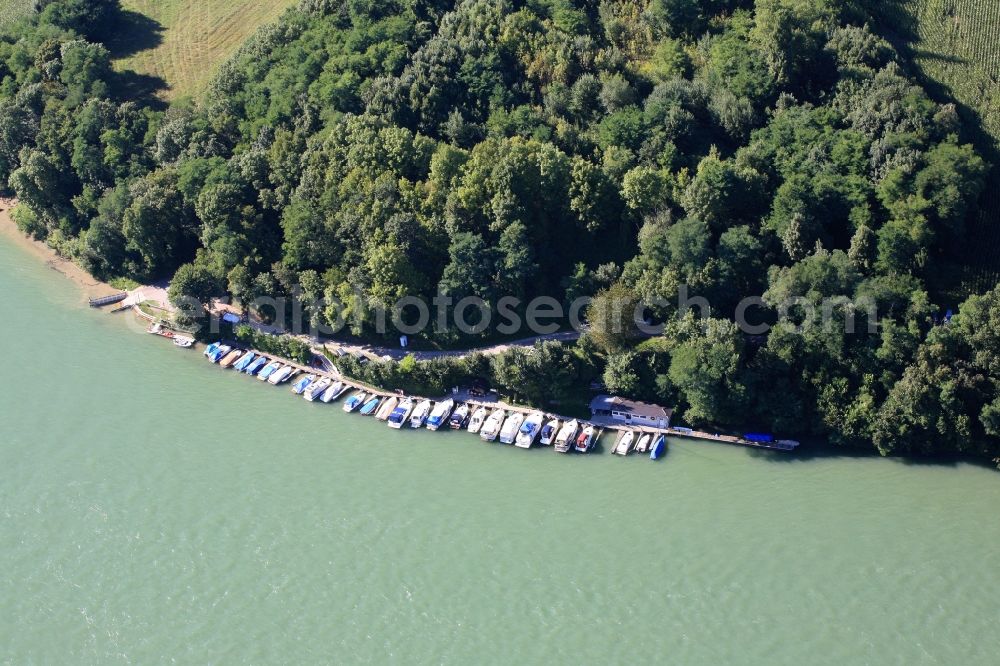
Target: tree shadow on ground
133,33
143,89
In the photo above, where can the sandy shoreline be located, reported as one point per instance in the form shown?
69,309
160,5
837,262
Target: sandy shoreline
88,284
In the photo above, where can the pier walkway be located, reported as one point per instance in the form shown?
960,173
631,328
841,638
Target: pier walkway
601,425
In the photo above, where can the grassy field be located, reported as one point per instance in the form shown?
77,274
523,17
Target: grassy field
11,10
183,41
954,45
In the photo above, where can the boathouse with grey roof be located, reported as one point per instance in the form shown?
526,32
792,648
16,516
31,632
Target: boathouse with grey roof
630,412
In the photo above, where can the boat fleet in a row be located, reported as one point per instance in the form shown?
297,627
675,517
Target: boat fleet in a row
509,426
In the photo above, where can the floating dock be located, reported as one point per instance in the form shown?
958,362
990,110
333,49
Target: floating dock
101,301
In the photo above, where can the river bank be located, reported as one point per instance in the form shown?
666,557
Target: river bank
89,286
211,518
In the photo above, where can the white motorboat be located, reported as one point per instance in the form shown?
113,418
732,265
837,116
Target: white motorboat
549,432
625,444
477,420
280,375
585,440
642,446
333,392
355,401
510,427
491,427
529,431
459,416
420,413
317,389
439,415
303,384
399,415
567,436
183,341
268,370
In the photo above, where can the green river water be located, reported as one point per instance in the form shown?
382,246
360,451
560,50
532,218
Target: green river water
157,509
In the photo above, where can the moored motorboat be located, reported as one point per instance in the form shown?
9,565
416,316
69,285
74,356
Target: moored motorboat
212,348
549,432
399,415
439,415
255,367
355,401
659,446
219,353
567,436
268,370
585,440
230,358
287,377
317,388
420,413
299,387
528,433
244,361
183,341
491,427
642,445
386,408
459,417
280,375
477,419
370,406
625,443
510,427
335,391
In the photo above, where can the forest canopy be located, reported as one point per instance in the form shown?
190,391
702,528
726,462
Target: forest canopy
370,150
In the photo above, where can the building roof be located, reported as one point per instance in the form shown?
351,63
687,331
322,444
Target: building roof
608,403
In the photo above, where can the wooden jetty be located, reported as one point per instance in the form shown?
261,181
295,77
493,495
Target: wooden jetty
101,301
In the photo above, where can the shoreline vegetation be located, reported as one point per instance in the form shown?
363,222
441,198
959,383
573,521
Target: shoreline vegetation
355,155
87,284
431,378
